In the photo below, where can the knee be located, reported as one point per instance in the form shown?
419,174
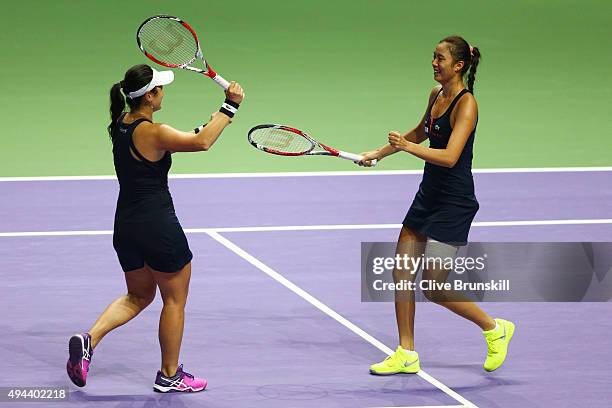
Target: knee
409,235
435,296
430,295
402,275
175,301
142,300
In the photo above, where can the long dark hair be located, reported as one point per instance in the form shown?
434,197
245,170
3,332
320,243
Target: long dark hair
134,79
461,51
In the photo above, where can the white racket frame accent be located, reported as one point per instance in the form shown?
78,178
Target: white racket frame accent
327,151
209,72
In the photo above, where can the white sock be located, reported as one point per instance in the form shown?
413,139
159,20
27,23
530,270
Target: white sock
408,352
493,329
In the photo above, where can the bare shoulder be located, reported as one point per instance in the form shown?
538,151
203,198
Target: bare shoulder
154,132
144,128
467,103
465,110
434,92
152,129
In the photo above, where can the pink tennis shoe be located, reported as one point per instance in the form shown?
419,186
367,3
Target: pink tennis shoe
80,352
179,382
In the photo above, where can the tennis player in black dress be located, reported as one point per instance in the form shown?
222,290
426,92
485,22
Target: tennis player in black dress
148,238
440,216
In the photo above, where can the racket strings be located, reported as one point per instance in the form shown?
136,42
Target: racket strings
168,41
281,140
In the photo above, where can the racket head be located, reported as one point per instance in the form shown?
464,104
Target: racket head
281,140
168,41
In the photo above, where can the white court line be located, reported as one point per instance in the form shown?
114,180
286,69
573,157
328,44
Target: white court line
313,227
328,311
315,173
430,406
394,226
53,233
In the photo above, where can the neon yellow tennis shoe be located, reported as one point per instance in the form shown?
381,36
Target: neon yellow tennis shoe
497,343
398,362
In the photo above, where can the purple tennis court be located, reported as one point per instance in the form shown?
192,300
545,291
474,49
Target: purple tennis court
274,317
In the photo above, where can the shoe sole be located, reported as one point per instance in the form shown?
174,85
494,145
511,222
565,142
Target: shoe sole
394,373
159,388
509,333
75,350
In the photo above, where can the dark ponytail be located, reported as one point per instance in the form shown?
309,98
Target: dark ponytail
135,78
473,66
117,104
461,51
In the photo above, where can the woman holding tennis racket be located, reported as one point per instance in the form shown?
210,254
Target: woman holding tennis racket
445,205
148,238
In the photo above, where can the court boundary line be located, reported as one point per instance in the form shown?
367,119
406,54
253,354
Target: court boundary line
233,247
317,173
429,406
323,227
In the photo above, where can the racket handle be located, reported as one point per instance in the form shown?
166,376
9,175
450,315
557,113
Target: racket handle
222,82
354,157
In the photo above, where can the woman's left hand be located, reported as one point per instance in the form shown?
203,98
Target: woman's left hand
397,141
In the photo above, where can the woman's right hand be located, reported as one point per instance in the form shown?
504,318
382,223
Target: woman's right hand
368,157
234,93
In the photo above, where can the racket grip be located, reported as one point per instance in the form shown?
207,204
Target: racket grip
222,82
350,156
353,157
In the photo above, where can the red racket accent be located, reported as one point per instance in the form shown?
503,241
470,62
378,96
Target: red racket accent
209,71
187,26
270,138
182,54
165,64
333,151
294,130
278,152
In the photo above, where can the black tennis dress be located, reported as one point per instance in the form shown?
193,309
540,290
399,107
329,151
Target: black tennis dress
445,205
147,230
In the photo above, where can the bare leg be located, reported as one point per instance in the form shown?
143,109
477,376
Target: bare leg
472,312
174,288
457,302
412,244
141,292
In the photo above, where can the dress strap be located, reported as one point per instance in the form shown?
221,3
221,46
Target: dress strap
132,145
434,101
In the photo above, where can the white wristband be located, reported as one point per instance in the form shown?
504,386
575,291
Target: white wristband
229,108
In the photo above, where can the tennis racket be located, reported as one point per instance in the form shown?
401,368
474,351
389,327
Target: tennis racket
172,43
288,141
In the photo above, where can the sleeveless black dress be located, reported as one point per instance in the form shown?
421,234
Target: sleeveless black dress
445,205
146,228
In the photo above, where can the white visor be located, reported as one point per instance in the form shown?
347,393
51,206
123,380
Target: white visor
159,79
